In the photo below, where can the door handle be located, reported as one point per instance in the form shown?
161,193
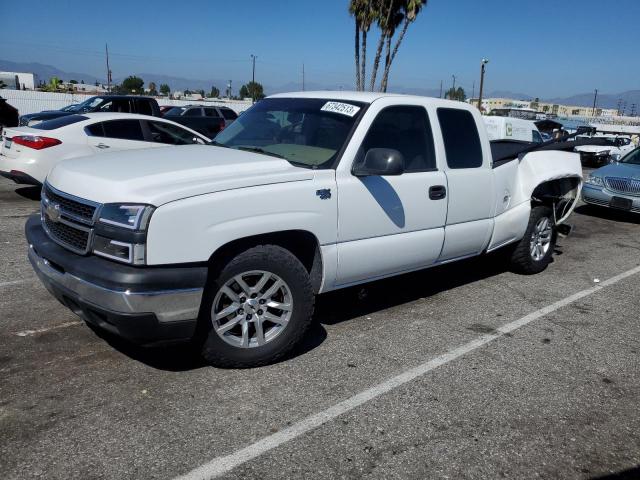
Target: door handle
437,192
102,145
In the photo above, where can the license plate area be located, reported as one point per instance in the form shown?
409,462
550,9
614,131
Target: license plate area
621,203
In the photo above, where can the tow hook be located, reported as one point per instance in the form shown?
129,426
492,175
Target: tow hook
564,229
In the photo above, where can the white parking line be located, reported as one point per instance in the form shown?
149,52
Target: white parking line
221,465
29,333
13,282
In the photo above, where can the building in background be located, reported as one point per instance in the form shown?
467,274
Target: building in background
19,80
489,104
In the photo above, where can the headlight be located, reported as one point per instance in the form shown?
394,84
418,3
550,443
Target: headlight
31,123
133,253
593,180
133,217
121,232
615,157
603,153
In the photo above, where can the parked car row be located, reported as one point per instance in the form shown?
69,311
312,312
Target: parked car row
28,154
97,125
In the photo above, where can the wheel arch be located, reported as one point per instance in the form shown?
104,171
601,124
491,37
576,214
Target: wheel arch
301,243
560,194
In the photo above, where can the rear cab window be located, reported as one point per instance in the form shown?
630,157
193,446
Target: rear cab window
461,139
59,122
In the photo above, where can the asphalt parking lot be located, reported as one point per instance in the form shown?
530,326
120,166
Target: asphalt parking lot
456,372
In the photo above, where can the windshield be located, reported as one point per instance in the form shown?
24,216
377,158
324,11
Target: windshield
175,111
308,132
90,104
632,158
70,108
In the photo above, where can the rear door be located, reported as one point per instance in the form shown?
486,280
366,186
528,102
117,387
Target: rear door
116,135
471,187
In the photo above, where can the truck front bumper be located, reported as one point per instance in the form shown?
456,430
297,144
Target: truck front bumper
144,305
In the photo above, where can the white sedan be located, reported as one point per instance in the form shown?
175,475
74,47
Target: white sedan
28,154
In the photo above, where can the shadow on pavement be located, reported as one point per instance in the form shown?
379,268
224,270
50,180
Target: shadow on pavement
335,307
631,474
608,214
31,193
343,305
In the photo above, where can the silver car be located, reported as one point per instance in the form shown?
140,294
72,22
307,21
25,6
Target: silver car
616,185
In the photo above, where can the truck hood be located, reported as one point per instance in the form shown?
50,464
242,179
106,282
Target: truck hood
624,170
160,175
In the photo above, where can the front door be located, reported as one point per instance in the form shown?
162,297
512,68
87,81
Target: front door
389,224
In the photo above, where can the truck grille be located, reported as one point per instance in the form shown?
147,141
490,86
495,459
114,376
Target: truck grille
81,210
627,186
68,220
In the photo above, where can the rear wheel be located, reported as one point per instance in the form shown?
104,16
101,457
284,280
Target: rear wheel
533,253
258,309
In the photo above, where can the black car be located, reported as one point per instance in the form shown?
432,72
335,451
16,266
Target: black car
208,120
8,115
106,103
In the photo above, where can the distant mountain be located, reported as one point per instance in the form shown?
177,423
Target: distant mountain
45,72
605,100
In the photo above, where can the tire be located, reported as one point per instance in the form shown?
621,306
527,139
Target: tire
526,259
270,319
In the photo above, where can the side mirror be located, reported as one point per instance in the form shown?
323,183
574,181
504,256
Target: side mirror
380,161
197,140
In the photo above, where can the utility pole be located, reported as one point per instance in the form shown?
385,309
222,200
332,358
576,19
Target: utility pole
229,89
483,64
106,48
253,79
440,89
454,81
595,99
303,76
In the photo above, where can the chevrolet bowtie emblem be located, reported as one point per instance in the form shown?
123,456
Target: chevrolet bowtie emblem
53,212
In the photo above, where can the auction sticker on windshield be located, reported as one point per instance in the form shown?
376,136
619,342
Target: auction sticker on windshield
338,107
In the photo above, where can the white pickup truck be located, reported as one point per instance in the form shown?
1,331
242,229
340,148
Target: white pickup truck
227,245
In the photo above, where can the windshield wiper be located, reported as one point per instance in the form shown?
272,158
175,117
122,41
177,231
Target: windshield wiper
218,144
262,151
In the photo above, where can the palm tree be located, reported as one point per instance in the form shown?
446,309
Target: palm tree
364,13
410,10
386,16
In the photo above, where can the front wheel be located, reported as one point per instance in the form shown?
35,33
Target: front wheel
534,251
258,309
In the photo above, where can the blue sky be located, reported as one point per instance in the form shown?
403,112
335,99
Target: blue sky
543,48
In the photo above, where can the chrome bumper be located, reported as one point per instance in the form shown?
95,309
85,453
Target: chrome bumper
602,197
166,305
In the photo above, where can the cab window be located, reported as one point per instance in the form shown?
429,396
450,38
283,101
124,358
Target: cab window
461,140
404,128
